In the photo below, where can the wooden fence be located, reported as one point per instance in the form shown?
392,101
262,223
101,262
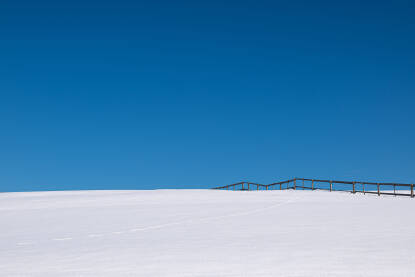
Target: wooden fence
395,189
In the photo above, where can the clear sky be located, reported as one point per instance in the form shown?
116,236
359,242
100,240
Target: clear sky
192,94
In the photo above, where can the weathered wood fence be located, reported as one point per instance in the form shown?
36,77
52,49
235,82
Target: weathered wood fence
395,189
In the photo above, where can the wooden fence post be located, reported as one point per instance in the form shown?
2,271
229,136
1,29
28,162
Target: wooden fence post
248,186
266,187
354,188
295,183
378,190
280,186
331,185
412,190
312,184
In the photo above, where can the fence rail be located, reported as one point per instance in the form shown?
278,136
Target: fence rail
396,189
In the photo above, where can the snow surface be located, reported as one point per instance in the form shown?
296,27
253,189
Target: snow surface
205,233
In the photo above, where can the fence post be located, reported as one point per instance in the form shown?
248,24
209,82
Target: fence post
354,187
266,187
331,185
295,183
363,184
280,186
378,190
312,184
412,190
303,184
248,186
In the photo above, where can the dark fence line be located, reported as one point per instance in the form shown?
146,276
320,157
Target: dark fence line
396,189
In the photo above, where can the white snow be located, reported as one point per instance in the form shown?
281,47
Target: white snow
206,233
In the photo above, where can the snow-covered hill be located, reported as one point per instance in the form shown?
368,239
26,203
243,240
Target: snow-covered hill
205,233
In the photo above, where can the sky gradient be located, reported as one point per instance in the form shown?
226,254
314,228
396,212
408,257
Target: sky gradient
191,94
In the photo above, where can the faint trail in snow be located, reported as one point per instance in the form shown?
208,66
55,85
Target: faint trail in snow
95,235
60,239
187,221
25,243
177,223
155,226
250,211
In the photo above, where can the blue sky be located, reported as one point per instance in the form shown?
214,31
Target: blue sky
191,94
